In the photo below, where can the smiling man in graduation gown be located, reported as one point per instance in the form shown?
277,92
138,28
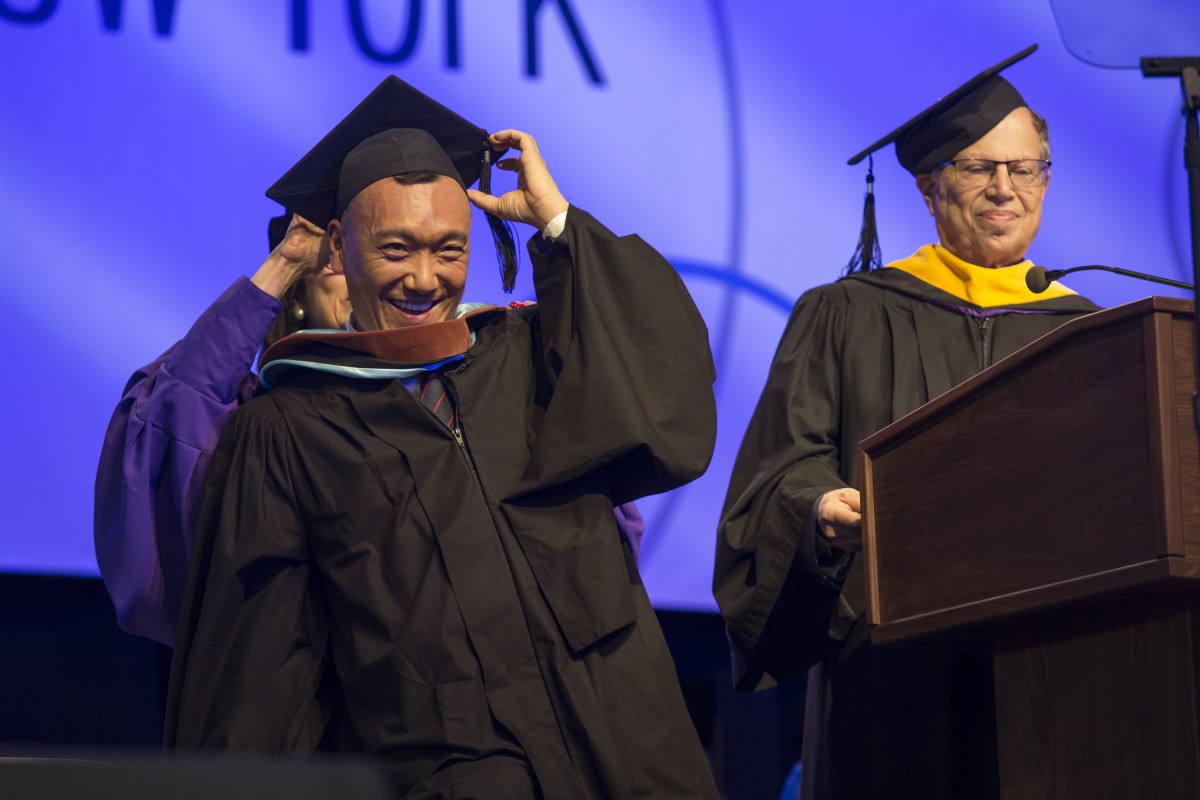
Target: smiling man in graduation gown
857,354
407,544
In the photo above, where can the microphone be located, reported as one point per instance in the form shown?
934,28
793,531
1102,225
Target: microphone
1038,279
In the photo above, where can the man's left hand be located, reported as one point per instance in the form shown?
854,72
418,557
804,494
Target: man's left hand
536,200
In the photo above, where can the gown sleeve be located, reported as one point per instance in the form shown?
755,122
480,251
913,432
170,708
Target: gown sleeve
247,671
776,580
156,451
626,362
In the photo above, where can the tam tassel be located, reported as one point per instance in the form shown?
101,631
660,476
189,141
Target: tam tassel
867,255
502,232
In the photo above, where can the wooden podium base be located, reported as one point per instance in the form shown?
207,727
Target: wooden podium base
1103,703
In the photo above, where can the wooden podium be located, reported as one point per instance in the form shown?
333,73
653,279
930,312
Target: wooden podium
1049,509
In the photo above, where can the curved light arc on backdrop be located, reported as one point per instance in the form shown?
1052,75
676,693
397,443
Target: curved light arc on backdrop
737,202
739,282
724,327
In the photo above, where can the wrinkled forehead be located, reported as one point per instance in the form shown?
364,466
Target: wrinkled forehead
417,204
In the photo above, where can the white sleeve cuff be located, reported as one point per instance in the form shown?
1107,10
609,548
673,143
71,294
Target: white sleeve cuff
555,227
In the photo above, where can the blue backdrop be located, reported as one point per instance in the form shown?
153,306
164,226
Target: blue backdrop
137,139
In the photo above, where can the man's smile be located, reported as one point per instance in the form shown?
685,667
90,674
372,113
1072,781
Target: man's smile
413,306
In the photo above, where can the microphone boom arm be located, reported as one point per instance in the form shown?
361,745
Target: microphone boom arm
1055,274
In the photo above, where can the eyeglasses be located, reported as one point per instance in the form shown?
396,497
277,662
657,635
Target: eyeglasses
974,173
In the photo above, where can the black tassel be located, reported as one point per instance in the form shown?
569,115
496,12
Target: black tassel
867,255
502,232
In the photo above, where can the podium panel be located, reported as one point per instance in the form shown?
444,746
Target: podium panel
1049,508
1066,471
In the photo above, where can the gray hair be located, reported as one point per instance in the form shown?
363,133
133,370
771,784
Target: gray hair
1043,132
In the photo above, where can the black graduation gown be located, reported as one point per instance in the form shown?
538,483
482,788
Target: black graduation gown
467,612
896,722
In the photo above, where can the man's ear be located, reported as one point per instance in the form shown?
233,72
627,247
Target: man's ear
928,185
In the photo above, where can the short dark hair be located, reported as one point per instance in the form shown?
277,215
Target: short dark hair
413,178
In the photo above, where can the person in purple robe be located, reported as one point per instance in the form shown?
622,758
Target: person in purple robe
161,436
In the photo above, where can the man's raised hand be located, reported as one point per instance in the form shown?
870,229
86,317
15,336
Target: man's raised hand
536,200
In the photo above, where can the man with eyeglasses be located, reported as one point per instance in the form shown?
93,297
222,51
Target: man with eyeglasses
857,354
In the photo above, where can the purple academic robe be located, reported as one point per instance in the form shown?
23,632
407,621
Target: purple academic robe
157,450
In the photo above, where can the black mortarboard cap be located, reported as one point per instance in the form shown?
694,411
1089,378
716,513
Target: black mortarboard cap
935,136
958,120
395,130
